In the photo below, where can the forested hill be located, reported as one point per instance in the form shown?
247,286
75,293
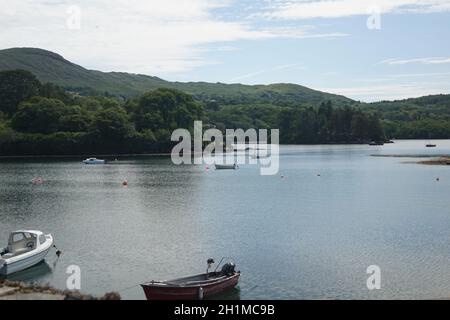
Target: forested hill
51,67
415,118
49,105
44,119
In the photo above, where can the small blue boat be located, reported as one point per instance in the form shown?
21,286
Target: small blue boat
94,161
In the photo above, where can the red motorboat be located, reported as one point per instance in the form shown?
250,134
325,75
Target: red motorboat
195,287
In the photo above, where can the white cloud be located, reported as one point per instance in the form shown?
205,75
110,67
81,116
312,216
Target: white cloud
137,36
307,9
263,71
433,60
389,92
159,37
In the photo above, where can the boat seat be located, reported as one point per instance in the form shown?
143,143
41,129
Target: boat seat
21,250
16,253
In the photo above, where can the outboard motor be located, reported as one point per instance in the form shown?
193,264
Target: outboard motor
228,269
209,262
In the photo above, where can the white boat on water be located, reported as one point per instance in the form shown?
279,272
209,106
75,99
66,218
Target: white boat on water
225,166
94,161
25,249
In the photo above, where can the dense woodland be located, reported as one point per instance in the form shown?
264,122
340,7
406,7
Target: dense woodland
45,119
418,118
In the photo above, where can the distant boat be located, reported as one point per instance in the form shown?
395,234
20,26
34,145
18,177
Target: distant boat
195,287
376,143
430,144
25,249
260,154
225,166
94,161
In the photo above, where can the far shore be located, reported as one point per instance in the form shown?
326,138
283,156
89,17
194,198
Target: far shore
436,160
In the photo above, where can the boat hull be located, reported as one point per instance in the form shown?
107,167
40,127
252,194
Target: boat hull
27,260
23,264
94,162
197,292
225,167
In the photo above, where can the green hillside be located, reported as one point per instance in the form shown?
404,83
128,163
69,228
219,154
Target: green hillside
415,118
44,119
51,67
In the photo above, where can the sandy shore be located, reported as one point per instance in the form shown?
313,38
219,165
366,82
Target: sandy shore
443,161
439,160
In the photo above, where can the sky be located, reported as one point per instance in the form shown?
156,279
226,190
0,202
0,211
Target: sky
368,50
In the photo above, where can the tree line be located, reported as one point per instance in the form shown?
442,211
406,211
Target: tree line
426,117
44,119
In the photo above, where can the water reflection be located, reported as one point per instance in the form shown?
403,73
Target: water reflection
33,274
325,229
232,294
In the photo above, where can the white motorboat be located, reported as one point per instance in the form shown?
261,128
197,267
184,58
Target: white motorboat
94,161
225,166
25,249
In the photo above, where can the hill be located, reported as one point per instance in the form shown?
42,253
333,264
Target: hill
51,67
414,118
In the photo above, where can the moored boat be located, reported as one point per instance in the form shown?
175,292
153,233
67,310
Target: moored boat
94,161
376,143
261,154
225,166
25,249
195,287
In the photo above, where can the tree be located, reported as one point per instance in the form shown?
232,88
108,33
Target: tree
112,124
16,86
50,90
167,108
375,129
39,115
75,119
359,127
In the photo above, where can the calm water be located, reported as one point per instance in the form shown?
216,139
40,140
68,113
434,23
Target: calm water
297,237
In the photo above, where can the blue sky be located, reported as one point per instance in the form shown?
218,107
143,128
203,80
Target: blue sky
322,44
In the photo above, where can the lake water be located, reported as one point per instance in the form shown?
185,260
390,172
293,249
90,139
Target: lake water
303,236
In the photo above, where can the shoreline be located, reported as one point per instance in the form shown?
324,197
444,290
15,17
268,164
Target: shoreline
164,154
435,160
441,161
15,290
